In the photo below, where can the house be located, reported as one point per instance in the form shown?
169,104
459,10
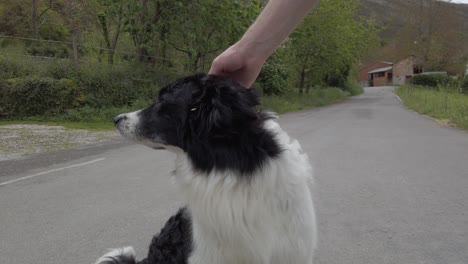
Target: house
365,77
386,73
404,69
381,76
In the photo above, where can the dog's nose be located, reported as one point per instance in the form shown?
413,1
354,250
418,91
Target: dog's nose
119,118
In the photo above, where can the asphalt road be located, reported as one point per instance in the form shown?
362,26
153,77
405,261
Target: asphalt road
392,187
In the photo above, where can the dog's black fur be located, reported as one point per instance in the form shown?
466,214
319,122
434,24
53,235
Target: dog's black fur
214,120
173,244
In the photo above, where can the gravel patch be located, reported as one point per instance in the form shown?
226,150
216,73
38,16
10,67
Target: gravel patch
19,140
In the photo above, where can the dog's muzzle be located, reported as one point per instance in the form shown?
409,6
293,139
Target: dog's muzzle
119,118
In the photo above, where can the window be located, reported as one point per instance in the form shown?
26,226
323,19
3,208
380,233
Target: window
417,70
380,74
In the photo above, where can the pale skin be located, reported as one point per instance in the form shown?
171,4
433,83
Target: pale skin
244,60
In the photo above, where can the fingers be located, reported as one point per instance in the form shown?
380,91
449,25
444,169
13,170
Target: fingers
233,64
216,67
227,62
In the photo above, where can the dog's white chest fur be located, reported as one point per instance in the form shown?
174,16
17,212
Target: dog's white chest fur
269,219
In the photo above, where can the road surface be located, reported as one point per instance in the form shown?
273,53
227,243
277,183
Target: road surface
392,187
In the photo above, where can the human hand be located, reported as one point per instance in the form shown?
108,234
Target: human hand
238,64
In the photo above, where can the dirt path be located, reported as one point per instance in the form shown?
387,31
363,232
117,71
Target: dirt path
20,140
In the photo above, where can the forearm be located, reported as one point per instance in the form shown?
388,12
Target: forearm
278,19
244,60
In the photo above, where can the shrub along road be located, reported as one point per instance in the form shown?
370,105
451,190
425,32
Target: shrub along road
391,188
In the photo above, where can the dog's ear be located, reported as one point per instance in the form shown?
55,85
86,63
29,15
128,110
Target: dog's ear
222,108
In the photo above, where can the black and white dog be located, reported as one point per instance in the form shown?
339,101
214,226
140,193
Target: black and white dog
246,183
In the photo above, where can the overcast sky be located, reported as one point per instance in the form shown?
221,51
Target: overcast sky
460,1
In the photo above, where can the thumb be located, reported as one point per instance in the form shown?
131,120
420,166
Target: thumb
226,63
216,67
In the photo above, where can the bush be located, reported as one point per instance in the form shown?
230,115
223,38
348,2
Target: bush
104,85
47,49
353,88
99,85
464,85
441,104
60,69
120,86
89,114
12,69
4,88
294,101
36,96
273,78
325,96
433,81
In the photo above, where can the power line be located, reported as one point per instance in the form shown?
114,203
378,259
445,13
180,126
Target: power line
31,56
84,45
33,39
85,61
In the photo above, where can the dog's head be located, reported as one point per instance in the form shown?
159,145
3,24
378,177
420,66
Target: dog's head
211,118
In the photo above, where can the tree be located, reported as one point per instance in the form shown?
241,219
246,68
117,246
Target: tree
144,21
13,18
204,27
432,31
192,28
107,16
37,15
330,41
274,77
44,23
26,17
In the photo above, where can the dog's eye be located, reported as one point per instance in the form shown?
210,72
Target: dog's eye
163,112
165,115
168,110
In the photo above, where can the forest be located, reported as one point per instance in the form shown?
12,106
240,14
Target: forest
83,58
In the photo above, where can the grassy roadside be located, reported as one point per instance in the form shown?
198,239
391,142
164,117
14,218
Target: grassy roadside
442,104
101,119
92,126
293,101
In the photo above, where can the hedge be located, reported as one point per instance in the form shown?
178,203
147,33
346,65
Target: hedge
433,81
273,79
37,87
31,96
464,85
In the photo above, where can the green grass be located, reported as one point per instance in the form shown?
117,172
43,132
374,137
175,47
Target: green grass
83,118
101,119
92,126
442,104
293,101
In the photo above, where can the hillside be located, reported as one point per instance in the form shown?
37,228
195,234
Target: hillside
435,32
387,13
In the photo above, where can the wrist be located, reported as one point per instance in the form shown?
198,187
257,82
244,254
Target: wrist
253,51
